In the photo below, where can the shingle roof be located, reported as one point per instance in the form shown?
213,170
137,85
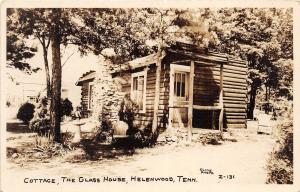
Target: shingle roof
88,76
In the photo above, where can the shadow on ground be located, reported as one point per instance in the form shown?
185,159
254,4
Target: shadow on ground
17,127
95,150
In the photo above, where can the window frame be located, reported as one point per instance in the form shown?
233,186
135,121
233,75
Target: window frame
179,69
89,104
138,74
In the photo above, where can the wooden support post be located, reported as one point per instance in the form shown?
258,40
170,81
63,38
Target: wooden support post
171,98
156,98
190,109
221,99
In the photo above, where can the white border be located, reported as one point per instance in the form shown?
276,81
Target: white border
161,4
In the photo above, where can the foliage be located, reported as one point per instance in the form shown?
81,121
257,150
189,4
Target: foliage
25,112
41,120
145,137
128,110
263,37
48,149
66,107
17,50
280,164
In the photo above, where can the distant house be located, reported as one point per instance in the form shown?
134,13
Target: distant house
197,88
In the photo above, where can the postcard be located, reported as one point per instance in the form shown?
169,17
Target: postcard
149,96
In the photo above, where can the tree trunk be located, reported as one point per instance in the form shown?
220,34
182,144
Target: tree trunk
252,102
45,55
56,78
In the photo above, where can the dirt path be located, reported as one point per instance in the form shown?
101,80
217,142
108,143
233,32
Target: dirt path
245,160
240,162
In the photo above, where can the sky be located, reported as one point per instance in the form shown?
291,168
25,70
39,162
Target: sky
73,68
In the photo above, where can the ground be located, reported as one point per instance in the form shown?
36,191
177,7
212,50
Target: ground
243,161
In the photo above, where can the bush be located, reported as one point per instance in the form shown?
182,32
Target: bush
128,110
41,120
280,164
145,137
66,107
25,112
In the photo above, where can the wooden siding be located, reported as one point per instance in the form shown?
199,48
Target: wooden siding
84,99
145,119
207,89
206,92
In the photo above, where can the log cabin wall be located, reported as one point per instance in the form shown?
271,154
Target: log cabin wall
207,87
235,94
145,119
206,93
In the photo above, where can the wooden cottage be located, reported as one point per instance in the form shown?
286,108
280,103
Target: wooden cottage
182,87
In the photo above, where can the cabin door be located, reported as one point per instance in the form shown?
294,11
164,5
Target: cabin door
179,91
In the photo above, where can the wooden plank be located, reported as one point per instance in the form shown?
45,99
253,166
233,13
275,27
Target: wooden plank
211,63
234,110
238,95
233,126
199,107
230,98
236,113
216,74
236,121
226,79
228,90
241,106
221,98
235,117
190,107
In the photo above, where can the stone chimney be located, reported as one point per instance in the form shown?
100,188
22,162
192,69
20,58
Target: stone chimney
106,96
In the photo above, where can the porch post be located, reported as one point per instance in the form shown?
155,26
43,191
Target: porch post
171,98
221,99
156,98
190,109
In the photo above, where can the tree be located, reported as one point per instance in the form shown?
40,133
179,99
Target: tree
31,23
260,36
17,51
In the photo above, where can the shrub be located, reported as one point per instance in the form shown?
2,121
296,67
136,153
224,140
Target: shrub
41,120
145,137
25,112
280,163
128,110
66,107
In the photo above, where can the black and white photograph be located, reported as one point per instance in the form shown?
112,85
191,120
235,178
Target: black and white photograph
147,98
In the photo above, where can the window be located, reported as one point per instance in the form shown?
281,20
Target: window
138,89
180,80
90,95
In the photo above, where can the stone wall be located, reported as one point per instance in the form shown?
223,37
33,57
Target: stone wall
106,95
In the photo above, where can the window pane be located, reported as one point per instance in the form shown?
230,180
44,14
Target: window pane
183,85
135,81
178,89
140,92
